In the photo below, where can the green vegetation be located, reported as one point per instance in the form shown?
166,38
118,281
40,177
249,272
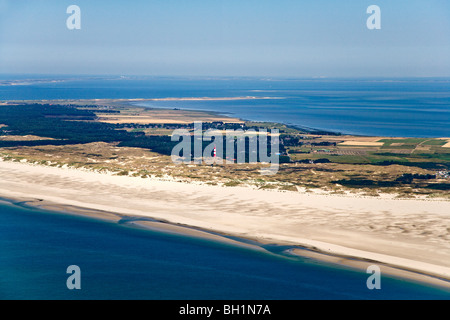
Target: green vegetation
434,142
412,141
74,136
232,183
74,125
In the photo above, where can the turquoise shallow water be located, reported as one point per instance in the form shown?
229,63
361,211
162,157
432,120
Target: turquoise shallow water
124,262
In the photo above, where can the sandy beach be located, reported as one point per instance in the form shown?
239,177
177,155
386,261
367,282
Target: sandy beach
410,237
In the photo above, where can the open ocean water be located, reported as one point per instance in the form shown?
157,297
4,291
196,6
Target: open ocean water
123,262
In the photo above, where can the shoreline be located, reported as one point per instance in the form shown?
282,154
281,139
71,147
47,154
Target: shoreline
135,102
296,251
218,228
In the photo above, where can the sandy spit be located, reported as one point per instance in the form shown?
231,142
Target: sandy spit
409,236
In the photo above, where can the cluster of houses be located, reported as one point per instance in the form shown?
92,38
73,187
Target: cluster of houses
443,174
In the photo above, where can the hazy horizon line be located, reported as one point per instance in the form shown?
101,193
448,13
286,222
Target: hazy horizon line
124,76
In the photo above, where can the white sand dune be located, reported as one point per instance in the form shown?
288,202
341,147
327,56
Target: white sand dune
410,234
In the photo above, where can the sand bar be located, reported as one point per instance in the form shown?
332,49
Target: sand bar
406,234
362,143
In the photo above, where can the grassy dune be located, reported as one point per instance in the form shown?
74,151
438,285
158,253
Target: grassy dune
406,167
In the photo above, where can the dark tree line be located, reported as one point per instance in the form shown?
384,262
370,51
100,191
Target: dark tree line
76,126
70,125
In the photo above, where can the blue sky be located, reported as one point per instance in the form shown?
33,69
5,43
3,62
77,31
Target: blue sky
291,38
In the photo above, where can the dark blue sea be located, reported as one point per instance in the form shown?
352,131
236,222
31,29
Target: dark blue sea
118,261
418,107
